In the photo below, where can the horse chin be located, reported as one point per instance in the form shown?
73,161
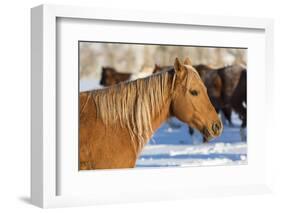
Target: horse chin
206,139
207,136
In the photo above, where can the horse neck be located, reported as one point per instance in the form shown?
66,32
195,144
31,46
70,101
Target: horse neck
165,111
159,119
156,118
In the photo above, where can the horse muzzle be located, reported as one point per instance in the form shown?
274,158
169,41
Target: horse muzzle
214,131
216,128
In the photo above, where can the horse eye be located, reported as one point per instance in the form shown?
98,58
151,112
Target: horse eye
193,92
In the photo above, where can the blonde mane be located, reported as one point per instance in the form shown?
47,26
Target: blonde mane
134,104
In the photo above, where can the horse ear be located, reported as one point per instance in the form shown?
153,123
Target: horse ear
187,61
156,68
177,65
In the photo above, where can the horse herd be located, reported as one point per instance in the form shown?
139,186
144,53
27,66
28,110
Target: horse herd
117,121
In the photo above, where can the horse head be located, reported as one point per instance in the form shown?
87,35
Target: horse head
190,101
107,76
110,76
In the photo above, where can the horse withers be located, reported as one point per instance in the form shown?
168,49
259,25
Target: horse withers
116,122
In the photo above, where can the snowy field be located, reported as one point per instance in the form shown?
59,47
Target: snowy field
175,147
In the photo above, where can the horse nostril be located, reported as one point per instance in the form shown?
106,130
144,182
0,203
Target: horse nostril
216,127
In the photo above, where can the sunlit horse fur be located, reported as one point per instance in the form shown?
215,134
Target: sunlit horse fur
116,122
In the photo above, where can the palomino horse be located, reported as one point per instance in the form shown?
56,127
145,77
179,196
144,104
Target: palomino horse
213,84
116,122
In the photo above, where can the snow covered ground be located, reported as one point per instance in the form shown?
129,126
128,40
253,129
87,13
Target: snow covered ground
89,84
175,147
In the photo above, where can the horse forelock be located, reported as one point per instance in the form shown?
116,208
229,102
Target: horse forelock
134,104
192,73
193,70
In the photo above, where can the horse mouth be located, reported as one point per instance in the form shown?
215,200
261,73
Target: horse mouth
208,133
207,136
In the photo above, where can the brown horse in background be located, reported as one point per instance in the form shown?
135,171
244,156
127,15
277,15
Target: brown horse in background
158,68
239,98
213,83
230,76
116,122
109,76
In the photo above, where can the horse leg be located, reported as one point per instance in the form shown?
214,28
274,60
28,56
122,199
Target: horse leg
243,134
222,117
244,122
227,113
243,126
191,133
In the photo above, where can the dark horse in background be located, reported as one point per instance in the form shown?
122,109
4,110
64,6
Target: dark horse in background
230,76
239,98
110,76
239,102
213,84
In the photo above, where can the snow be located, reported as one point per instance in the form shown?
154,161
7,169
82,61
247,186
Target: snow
173,146
89,84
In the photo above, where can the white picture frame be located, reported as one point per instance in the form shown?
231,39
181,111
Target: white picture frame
44,155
